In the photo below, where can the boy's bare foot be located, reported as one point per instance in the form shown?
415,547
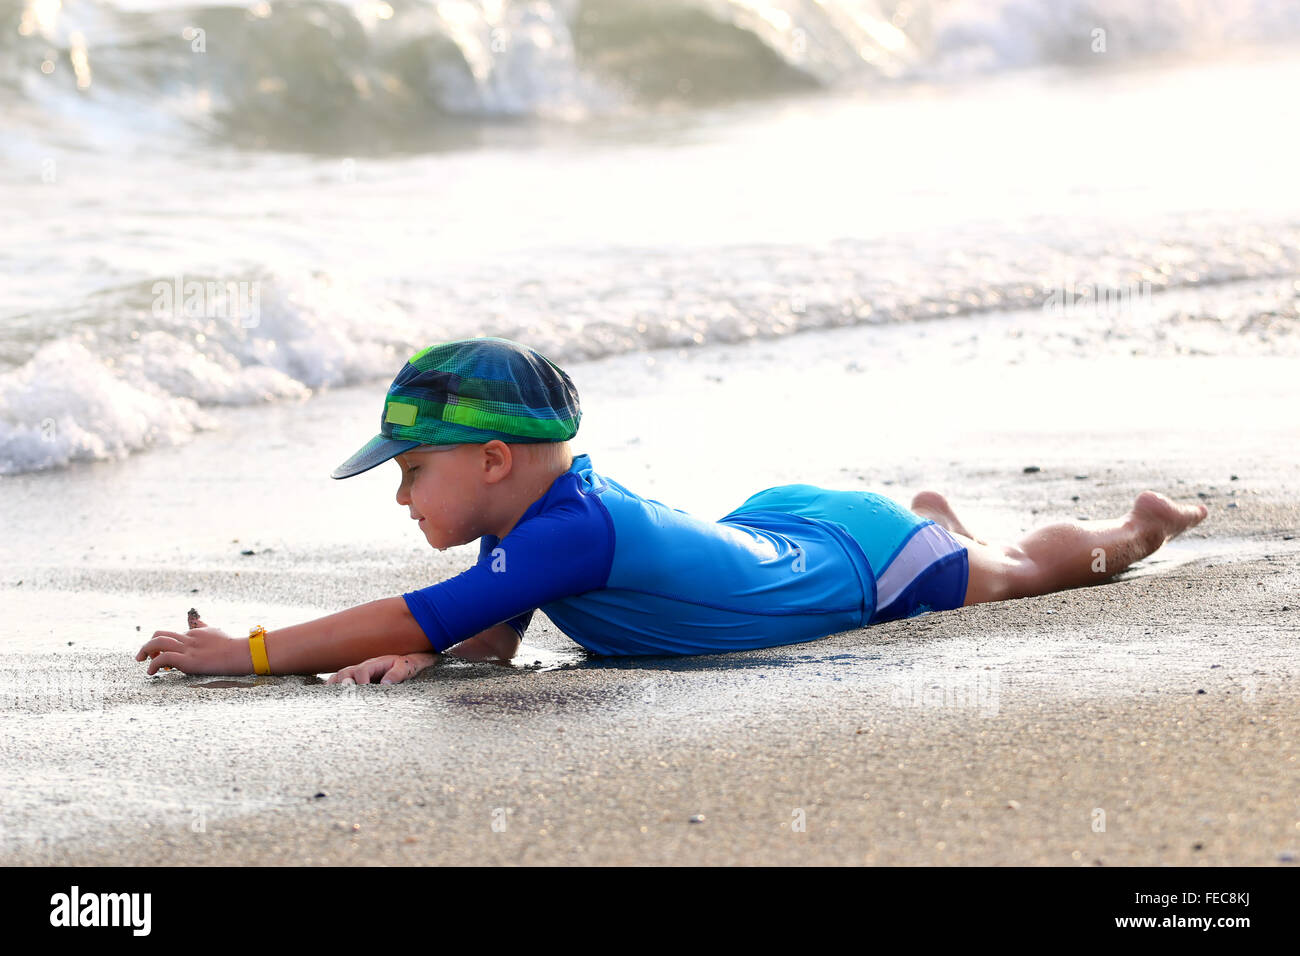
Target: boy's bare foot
1163,518
932,505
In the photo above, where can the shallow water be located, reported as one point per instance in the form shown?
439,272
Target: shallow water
179,276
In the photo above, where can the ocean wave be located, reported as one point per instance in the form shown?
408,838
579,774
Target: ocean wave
146,364
140,366
388,75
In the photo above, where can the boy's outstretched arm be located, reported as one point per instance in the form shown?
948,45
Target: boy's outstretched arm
327,644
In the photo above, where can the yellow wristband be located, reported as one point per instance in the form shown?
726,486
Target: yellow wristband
257,646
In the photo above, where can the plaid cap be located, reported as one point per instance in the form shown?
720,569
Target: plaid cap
471,391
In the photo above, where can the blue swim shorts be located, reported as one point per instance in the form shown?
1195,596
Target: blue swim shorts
918,565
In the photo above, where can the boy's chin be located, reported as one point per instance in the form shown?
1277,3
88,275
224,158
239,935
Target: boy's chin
443,545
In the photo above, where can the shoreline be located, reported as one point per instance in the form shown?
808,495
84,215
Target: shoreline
1063,704
891,740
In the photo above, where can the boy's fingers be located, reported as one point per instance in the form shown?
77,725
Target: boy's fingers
164,643
366,672
400,671
372,669
167,659
159,644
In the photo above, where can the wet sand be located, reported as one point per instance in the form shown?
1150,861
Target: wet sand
1150,720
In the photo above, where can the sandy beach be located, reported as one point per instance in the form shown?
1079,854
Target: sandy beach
1151,720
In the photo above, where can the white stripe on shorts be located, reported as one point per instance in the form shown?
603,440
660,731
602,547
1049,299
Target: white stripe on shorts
924,548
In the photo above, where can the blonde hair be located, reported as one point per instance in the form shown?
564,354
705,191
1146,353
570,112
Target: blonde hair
557,455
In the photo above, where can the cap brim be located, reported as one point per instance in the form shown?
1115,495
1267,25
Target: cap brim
375,452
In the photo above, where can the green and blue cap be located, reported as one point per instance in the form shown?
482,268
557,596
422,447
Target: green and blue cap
471,391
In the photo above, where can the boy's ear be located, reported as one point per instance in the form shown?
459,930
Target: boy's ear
498,456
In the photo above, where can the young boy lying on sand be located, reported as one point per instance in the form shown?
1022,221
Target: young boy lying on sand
480,429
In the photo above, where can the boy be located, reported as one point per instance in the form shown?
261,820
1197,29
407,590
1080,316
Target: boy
480,429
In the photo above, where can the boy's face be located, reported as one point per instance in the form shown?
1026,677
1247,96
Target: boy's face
446,490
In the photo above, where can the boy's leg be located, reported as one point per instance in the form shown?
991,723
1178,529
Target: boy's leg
932,505
1066,555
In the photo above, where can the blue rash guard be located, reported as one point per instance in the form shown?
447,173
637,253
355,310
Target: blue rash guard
624,575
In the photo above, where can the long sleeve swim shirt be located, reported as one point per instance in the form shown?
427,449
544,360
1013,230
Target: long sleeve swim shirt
624,575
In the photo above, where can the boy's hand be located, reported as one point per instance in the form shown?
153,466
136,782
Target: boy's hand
394,668
200,650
